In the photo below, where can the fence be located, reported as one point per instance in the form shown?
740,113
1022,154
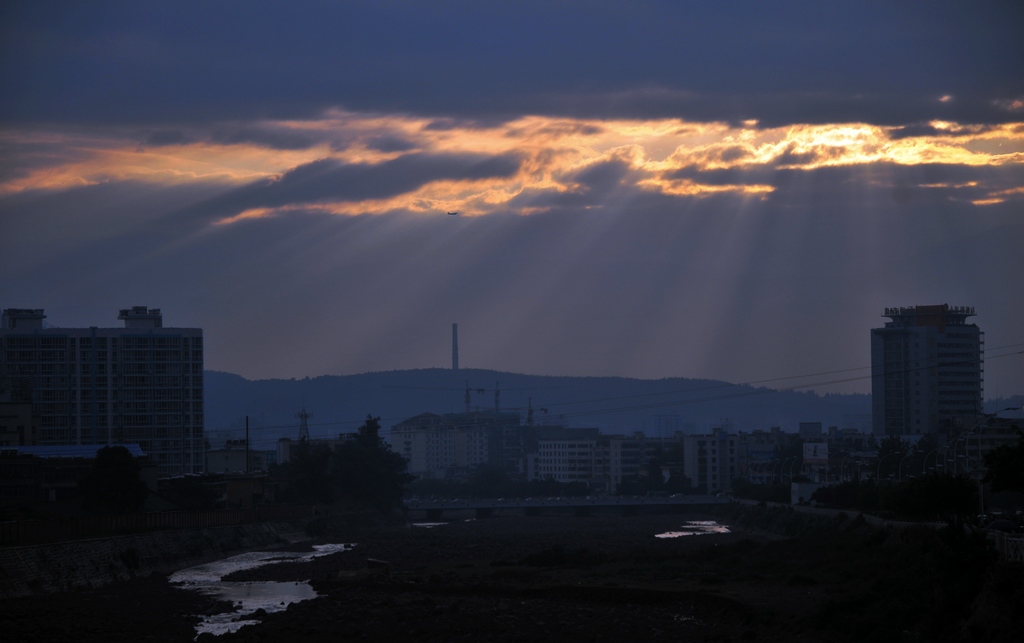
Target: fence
35,532
1009,547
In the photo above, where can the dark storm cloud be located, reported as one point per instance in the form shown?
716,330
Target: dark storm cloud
20,157
881,62
927,129
449,123
770,108
85,225
593,185
162,137
330,180
263,135
601,177
274,138
747,175
390,143
924,181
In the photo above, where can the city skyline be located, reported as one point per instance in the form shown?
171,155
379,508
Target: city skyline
644,190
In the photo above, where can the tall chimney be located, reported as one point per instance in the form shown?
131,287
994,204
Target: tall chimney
455,347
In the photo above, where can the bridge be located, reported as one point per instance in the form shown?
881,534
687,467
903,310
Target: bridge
437,509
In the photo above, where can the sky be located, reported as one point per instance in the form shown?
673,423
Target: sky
728,190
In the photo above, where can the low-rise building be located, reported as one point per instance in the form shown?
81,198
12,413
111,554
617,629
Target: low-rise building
33,475
232,458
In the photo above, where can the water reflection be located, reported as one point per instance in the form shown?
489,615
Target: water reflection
696,528
248,597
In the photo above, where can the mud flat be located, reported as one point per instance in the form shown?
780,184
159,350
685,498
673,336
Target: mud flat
597,578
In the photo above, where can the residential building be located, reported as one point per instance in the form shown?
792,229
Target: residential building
446,446
585,455
622,456
810,430
18,427
140,384
709,461
565,455
926,370
234,457
756,452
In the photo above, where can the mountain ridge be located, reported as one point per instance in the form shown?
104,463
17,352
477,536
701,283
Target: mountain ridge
612,403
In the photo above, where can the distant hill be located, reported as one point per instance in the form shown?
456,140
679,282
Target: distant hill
614,404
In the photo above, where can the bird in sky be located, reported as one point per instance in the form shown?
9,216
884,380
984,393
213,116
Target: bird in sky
453,213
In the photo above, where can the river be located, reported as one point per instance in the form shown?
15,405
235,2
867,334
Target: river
248,597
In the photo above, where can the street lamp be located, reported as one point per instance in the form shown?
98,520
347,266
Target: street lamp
782,469
924,465
792,461
966,434
878,473
945,459
899,468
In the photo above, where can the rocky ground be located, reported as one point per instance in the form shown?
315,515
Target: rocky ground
592,578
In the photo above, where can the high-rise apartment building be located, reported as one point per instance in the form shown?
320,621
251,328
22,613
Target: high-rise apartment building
140,384
927,370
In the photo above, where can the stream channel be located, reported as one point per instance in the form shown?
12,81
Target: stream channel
248,597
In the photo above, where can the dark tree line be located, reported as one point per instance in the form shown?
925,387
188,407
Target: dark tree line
113,485
1006,467
493,481
938,496
361,473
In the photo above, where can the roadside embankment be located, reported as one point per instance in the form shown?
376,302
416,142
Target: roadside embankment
60,567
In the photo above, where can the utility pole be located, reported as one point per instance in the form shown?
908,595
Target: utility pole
247,444
455,347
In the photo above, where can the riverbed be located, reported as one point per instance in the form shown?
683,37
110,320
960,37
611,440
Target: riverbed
248,598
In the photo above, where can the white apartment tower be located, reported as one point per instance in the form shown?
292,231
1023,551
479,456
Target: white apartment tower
927,370
140,384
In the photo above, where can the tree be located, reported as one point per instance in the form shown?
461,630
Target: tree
939,495
895,447
928,444
366,472
114,484
1005,466
307,474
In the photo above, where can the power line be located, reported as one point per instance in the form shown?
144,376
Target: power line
763,391
775,379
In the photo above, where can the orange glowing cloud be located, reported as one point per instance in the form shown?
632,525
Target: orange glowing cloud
553,151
